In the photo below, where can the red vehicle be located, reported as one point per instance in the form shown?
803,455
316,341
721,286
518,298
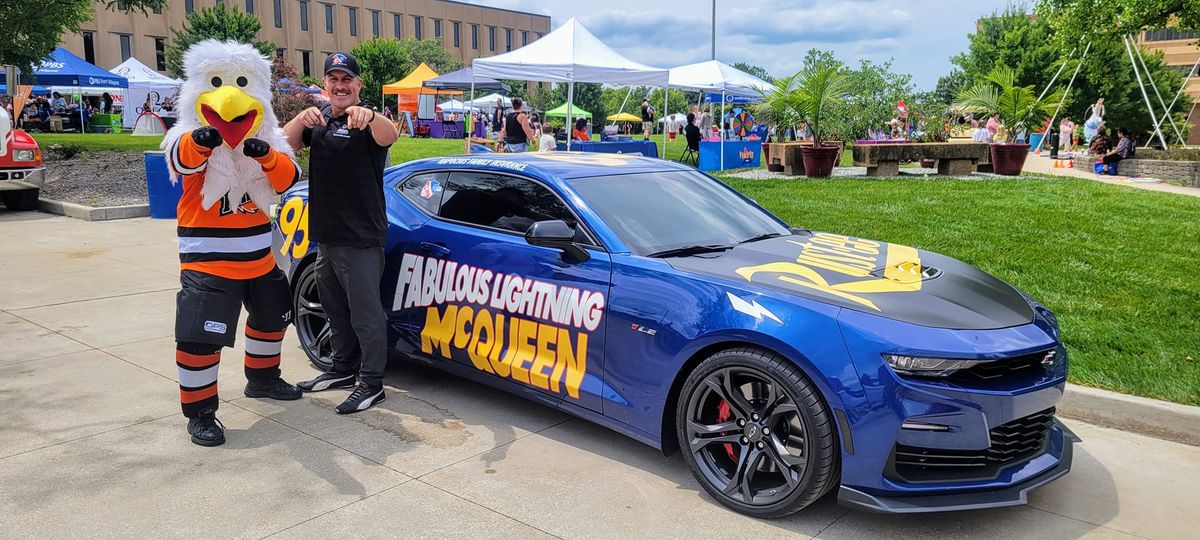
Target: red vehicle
21,170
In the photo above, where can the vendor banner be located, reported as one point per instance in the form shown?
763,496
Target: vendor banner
730,99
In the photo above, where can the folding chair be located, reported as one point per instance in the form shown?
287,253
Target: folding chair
689,156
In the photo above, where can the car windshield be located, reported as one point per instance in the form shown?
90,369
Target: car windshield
683,212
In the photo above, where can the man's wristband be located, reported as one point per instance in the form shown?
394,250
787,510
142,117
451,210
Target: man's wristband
372,116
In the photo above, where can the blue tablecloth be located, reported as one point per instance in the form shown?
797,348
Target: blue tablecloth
738,155
645,148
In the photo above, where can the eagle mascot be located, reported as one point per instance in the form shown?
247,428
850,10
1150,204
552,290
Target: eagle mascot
232,157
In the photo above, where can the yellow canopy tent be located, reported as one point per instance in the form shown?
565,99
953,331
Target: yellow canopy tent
624,117
408,88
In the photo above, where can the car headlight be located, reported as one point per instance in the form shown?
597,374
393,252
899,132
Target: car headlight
24,155
926,367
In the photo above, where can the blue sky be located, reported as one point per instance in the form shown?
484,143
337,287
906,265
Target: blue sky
921,35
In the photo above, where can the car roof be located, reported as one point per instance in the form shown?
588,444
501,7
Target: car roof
563,165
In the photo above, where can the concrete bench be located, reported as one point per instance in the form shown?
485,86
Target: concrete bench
953,159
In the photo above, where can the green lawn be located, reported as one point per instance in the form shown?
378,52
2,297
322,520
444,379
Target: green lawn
1117,265
98,141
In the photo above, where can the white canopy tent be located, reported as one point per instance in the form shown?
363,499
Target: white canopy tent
570,54
488,103
455,106
714,76
143,82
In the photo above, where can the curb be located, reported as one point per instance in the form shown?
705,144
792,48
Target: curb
1159,419
88,213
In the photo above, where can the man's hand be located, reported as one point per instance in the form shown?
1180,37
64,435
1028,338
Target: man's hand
255,148
207,137
359,117
311,117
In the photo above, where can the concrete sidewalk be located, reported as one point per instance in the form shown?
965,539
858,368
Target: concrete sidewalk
1042,164
92,443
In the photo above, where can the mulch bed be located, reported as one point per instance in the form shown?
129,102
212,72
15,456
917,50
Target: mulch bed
98,179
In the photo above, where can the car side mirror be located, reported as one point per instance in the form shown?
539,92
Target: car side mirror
556,234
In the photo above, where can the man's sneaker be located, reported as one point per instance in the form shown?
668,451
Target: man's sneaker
206,430
362,398
327,380
274,389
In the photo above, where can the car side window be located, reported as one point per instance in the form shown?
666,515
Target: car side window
425,190
503,202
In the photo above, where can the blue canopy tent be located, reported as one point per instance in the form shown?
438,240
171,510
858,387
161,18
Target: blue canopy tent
61,68
37,90
461,80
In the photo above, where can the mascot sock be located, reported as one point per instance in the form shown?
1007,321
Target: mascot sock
197,363
262,354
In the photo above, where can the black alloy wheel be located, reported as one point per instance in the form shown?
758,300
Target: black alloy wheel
756,433
312,324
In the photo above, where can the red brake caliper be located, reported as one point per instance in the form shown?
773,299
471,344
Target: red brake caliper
724,413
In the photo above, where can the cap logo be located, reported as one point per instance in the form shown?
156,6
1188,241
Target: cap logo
339,59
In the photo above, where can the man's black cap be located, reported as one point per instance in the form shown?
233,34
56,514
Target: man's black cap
341,61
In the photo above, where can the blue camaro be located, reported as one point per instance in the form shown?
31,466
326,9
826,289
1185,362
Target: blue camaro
652,299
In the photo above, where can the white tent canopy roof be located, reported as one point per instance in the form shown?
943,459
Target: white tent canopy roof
139,73
716,76
488,102
455,106
570,53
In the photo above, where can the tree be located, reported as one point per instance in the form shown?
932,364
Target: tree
33,28
384,60
871,100
752,69
219,22
1020,107
588,96
1075,21
1034,51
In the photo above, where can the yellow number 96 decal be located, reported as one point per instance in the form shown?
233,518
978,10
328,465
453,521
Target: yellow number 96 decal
293,223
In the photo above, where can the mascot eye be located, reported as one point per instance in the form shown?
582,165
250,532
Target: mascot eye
242,82
216,81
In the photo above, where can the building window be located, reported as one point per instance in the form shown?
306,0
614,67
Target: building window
397,25
457,34
89,47
305,60
353,21
475,36
1169,34
160,54
158,10
220,2
280,53
123,5
189,6
437,29
508,39
524,38
278,13
304,15
492,38
374,23
416,27
126,47
328,18
250,7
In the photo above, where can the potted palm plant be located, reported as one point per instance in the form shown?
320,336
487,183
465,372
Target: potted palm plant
778,109
818,87
1019,109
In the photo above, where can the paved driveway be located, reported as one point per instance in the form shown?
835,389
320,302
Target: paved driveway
92,442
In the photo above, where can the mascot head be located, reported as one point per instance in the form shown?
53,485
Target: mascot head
228,87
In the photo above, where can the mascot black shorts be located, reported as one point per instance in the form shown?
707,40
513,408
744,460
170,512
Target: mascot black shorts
208,306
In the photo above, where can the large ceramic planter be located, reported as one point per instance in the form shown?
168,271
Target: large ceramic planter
1009,159
819,161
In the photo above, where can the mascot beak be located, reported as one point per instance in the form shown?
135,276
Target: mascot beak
233,112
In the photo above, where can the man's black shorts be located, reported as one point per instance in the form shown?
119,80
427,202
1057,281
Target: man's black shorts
207,307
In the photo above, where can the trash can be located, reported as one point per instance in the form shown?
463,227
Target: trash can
163,196
1035,141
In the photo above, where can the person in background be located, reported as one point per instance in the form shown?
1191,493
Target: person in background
498,118
106,102
57,102
1122,151
1066,130
516,129
647,119
580,133
691,132
546,141
993,126
1099,143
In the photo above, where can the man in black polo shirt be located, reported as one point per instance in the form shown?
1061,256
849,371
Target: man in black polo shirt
346,218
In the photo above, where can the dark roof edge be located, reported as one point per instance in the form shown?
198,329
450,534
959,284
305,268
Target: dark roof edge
473,4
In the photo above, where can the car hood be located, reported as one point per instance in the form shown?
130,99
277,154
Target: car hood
890,280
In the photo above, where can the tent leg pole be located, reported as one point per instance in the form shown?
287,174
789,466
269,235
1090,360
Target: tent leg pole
666,91
1068,90
1161,101
469,114
1186,80
1153,117
720,123
570,102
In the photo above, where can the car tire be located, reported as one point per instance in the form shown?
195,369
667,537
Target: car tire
309,318
768,455
25,199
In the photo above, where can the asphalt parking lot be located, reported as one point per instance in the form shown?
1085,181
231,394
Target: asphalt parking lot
92,442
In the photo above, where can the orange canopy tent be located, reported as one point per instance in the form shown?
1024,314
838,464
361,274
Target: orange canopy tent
408,88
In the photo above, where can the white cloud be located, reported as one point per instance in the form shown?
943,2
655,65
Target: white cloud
921,35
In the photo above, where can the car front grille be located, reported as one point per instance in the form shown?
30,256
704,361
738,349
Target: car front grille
1012,442
1026,365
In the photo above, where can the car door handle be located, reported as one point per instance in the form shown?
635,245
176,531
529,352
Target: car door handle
437,250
